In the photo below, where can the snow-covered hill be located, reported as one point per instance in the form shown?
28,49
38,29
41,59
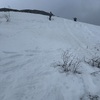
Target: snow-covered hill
30,45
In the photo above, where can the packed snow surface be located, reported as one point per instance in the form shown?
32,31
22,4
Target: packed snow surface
31,46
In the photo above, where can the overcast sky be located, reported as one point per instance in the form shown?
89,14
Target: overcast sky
85,10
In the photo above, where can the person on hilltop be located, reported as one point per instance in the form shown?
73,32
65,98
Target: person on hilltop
75,19
50,15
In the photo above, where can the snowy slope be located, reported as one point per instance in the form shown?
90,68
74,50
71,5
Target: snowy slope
29,46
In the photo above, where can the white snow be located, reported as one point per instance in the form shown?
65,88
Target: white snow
30,44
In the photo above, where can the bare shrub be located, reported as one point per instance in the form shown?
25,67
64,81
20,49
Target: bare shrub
93,97
94,61
70,62
7,17
89,97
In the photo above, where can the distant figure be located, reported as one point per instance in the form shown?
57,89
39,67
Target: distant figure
50,15
75,19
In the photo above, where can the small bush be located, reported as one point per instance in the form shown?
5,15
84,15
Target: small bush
7,17
70,63
94,61
90,97
93,97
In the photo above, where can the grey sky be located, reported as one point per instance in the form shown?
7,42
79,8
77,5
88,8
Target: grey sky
85,10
